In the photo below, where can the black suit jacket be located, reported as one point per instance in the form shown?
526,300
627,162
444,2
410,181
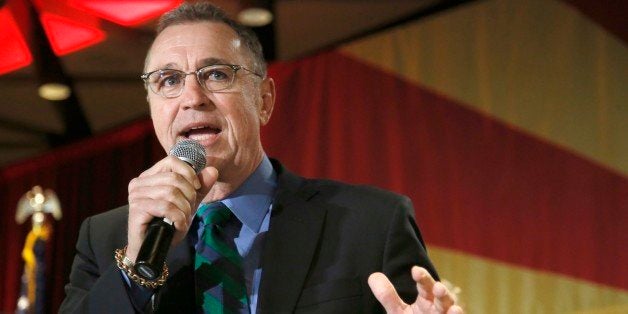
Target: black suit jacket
325,239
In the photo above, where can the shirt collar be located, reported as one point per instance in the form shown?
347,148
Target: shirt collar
252,200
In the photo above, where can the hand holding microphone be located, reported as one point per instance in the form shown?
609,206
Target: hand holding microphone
162,204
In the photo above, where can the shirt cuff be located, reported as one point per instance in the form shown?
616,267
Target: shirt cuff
140,296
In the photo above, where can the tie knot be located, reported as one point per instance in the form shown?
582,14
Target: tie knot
214,213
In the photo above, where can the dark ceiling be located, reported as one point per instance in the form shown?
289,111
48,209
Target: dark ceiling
107,91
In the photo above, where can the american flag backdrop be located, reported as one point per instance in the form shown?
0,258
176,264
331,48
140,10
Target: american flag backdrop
507,123
541,197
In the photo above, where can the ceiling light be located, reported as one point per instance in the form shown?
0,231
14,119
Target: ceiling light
255,17
54,91
67,35
65,26
14,52
127,13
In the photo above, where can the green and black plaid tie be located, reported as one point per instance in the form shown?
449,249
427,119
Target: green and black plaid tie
220,286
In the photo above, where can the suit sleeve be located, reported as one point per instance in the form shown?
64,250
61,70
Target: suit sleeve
405,248
96,286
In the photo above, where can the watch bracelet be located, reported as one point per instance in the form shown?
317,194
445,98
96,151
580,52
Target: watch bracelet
126,266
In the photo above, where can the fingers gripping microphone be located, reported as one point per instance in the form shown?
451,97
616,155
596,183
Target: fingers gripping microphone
159,233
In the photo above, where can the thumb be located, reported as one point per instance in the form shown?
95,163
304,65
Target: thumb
385,293
207,177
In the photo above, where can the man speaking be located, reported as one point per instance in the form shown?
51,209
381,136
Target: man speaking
248,236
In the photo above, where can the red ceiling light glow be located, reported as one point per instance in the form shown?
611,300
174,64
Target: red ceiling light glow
127,13
14,52
67,26
67,35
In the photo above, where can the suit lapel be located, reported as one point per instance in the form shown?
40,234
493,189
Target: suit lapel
294,233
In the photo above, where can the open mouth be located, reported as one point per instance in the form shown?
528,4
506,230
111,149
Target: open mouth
202,133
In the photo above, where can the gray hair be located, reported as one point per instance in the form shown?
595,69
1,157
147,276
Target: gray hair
207,12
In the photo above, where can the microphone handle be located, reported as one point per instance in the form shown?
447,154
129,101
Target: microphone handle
152,255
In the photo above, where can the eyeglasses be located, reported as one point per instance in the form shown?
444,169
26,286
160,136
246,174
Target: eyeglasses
169,83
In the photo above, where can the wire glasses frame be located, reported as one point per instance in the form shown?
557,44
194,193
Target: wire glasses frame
169,83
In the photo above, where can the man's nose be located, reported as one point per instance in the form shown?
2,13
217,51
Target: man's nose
193,94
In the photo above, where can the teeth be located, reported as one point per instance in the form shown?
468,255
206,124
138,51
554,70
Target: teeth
187,133
205,132
200,137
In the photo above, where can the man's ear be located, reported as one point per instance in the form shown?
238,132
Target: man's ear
267,93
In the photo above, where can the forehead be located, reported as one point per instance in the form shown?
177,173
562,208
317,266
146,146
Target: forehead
187,45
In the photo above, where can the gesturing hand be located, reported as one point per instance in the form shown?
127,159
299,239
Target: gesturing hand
433,296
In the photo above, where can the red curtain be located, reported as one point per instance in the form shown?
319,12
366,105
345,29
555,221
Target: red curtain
89,177
468,175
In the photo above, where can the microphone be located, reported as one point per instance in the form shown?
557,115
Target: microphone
152,255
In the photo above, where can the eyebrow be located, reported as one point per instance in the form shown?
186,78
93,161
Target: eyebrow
211,61
203,62
170,65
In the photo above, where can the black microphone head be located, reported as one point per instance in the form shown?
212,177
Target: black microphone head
191,152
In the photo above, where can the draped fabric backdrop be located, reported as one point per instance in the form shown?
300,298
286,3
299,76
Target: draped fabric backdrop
504,121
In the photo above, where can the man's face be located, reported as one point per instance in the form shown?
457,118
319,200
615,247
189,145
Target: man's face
226,122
